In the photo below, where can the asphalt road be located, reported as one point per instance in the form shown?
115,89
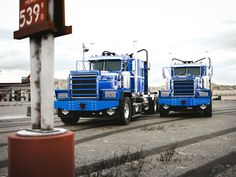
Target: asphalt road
181,145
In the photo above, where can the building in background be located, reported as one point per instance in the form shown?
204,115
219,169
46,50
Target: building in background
15,91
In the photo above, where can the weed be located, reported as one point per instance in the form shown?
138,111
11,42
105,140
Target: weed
127,165
167,155
152,128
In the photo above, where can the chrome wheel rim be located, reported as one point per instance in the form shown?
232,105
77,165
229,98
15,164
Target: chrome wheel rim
126,111
155,107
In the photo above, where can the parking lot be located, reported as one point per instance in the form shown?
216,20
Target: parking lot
182,144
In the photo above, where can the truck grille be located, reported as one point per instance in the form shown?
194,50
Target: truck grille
183,88
83,86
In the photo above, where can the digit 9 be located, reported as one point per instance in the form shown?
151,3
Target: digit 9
36,12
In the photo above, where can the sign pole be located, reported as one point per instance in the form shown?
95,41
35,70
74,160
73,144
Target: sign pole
42,81
47,82
47,75
42,77
51,149
35,65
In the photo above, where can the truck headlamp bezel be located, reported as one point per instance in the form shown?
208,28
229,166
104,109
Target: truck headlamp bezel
110,94
203,94
165,93
62,95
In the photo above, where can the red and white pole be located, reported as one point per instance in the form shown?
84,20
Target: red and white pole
43,151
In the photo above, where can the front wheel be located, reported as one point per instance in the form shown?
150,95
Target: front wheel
125,111
70,118
208,111
163,112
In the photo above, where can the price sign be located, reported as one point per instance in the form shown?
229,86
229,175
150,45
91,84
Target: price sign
34,19
32,12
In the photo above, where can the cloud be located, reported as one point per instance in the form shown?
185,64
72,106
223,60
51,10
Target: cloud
229,22
12,75
161,27
224,39
14,53
5,34
13,59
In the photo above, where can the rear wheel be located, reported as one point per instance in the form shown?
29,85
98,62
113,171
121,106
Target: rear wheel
70,118
208,111
125,111
163,112
153,106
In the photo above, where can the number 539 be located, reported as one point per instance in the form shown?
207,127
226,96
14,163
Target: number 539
29,15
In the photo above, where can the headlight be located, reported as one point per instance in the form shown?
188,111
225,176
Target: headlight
203,93
110,94
62,95
165,94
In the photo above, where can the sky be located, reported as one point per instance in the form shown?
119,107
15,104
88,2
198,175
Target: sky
183,29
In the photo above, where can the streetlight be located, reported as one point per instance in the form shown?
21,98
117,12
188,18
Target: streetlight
85,49
92,48
134,47
206,53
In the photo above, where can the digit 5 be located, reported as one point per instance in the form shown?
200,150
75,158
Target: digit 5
22,18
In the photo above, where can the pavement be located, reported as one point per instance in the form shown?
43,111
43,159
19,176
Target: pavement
182,144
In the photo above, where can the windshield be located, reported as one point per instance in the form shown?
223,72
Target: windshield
180,71
106,65
195,71
96,65
112,66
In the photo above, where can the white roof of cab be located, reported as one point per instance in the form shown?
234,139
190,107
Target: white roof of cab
108,58
188,65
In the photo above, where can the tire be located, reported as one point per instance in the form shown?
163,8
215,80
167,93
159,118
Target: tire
125,111
153,106
69,119
208,111
163,112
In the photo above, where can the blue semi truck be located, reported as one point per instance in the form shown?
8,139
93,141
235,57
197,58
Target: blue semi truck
188,87
114,86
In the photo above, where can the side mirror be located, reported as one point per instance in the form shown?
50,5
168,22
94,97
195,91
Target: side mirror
149,65
166,72
163,73
211,71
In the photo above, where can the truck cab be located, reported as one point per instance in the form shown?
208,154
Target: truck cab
111,85
188,87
